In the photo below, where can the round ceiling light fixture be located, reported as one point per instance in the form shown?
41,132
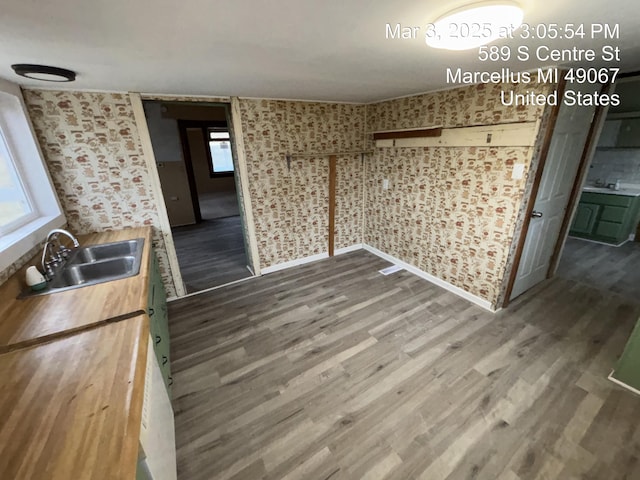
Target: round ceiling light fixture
475,25
44,72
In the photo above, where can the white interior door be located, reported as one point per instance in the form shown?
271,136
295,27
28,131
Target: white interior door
560,170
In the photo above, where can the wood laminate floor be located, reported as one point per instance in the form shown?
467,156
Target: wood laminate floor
615,269
333,371
218,204
211,253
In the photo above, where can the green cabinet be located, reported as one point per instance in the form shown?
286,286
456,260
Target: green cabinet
627,370
605,217
159,322
585,219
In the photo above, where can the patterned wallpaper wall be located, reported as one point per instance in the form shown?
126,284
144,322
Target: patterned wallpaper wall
91,146
290,206
449,211
459,107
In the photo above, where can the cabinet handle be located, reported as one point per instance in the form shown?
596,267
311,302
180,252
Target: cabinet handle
164,359
151,311
158,339
170,381
535,214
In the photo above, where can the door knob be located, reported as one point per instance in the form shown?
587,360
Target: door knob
535,214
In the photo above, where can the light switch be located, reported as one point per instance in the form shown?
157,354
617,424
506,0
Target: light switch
518,171
385,184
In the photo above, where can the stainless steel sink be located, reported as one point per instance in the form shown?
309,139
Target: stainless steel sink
95,264
106,251
92,273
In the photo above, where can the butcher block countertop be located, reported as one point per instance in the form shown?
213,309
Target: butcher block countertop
71,408
33,320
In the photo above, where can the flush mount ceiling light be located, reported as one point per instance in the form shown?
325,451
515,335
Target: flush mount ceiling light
474,25
43,72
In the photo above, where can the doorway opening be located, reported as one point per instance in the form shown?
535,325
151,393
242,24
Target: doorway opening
585,208
195,154
603,246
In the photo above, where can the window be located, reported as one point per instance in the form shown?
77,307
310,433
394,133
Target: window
29,207
220,149
15,206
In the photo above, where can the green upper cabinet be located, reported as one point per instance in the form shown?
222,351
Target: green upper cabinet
159,322
605,217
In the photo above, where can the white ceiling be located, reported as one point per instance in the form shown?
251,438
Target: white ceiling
295,49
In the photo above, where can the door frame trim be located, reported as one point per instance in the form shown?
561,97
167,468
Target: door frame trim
188,165
203,125
147,148
243,173
163,217
544,151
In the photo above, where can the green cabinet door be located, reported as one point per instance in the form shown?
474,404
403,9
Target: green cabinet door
585,220
605,217
614,214
159,322
610,230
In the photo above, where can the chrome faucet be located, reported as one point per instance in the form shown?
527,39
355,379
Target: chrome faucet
57,257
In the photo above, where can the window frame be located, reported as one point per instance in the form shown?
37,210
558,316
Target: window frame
32,213
207,140
26,156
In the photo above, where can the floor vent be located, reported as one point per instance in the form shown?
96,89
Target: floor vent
391,269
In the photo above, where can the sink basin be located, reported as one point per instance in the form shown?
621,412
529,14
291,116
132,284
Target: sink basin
95,264
96,253
92,273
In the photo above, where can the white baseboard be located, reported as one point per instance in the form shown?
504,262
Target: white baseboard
210,289
622,384
312,258
416,271
351,248
435,280
603,243
293,263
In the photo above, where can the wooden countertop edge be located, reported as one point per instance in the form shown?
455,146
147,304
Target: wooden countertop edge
66,333
130,449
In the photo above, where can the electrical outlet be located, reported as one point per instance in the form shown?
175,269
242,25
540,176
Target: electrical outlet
385,184
518,171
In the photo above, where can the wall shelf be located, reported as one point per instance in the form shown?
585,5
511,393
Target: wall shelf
521,134
413,133
329,154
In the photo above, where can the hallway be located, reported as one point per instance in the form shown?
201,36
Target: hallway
211,253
